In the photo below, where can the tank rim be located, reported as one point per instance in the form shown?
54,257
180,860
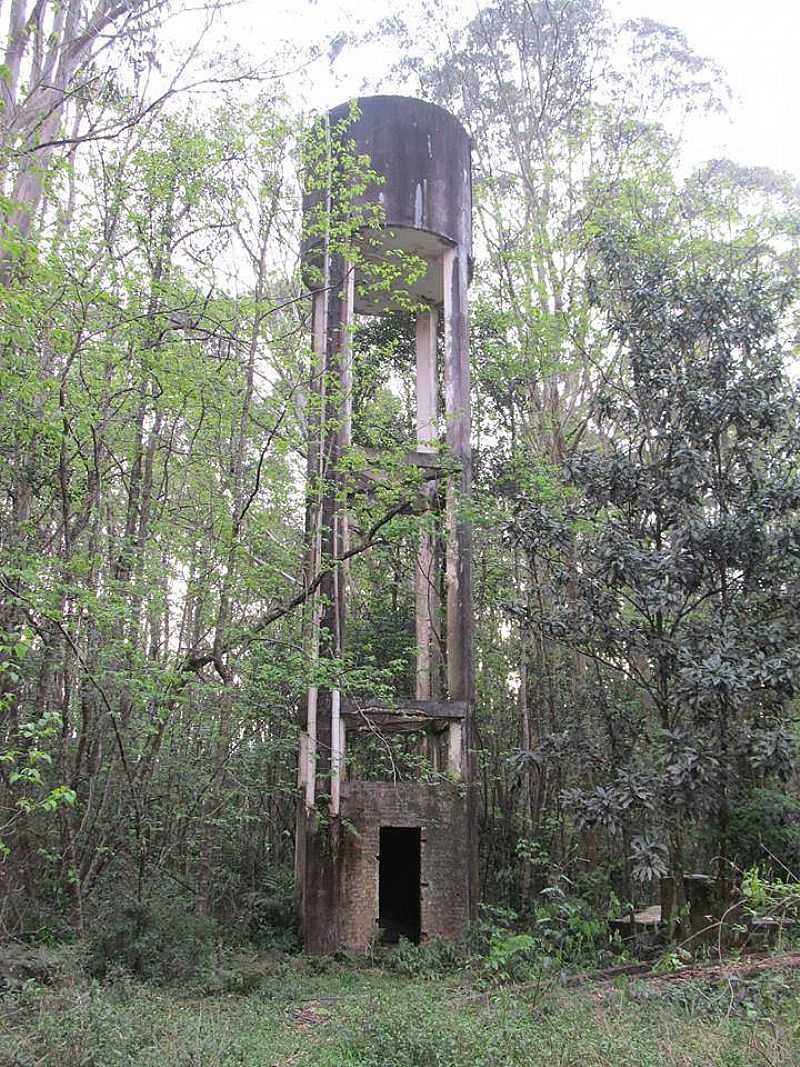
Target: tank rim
416,101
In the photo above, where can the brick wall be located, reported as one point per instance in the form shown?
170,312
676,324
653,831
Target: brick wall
441,813
338,872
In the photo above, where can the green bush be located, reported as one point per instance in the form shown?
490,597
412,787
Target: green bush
560,931
158,940
765,832
570,929
428,960
513,958
269,915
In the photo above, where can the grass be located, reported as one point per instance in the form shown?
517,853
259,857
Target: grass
300,1013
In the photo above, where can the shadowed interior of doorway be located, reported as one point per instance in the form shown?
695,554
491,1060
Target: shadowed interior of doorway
399,884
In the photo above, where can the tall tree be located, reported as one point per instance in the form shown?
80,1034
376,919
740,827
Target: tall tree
52,58
673,562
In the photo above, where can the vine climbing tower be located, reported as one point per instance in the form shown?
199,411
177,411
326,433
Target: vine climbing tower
385,859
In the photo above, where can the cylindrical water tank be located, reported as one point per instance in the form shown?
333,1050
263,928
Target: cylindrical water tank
424,202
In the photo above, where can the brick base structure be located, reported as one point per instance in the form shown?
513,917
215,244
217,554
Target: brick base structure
338,880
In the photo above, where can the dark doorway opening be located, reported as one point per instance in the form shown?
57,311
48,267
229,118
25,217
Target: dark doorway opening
398,883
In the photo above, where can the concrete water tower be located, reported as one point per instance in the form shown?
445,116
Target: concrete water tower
379,860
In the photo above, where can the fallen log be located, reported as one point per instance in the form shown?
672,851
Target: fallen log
749,966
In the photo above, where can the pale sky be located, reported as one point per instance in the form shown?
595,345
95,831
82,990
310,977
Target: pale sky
758,44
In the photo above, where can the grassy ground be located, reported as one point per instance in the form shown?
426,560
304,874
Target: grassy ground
263,1012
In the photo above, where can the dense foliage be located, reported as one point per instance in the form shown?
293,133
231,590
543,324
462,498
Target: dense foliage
636,503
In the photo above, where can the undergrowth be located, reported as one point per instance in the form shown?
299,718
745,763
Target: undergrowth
358,1015
155,992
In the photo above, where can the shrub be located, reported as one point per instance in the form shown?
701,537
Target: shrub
570,929
22,964
428,960
765,832
268,916
158,940
559,931
512,957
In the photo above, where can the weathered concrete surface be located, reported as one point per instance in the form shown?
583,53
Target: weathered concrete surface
425,201
423,153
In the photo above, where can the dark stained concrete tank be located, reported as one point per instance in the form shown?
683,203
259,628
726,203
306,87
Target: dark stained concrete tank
425,200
